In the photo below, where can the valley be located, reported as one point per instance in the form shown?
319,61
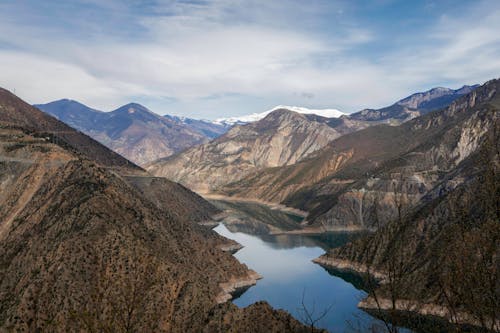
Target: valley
354,212
215,166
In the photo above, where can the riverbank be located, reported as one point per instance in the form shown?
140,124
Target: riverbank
236,285
349,266
271,205
410,308
322,230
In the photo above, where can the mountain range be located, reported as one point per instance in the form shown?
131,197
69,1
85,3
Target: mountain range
438,253
87,235
241,120
91,242
133,130
282,138
142,136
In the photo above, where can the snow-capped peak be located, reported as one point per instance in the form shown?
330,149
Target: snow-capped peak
328,113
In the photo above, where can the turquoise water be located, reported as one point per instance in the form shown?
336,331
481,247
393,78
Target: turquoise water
284,261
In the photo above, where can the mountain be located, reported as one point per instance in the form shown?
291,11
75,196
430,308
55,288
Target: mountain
326,113
441,257
17,113
208,128
283,137
414,105
341,184
271,140
84,247
131,130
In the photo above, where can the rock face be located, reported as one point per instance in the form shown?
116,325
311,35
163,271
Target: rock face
437,253
83,249
343,184
282,138
442,257
132,130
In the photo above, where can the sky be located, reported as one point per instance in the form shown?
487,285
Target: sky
212,59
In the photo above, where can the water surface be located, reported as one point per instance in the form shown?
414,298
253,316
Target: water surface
289,275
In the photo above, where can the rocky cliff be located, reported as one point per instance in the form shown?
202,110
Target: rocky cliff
281,138
442,257
342,184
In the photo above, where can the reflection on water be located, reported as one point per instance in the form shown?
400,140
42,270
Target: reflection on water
285,263
257,219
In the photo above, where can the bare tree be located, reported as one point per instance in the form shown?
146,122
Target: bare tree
473,254
394,262
310,315
121,301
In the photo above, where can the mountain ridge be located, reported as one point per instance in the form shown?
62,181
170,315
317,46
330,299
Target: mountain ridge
212,166
339,184
131,130
83,249
281,138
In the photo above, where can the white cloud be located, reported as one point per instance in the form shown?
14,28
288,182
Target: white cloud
262,50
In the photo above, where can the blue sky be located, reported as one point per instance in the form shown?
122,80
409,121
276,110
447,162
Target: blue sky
210,59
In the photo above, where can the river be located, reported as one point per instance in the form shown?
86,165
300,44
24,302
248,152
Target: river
289,275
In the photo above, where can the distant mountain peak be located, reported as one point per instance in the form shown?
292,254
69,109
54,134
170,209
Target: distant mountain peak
133,108
327,113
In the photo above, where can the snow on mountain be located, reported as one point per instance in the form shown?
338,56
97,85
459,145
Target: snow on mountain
328,113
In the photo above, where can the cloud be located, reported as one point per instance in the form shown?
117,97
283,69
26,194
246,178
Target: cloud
244,55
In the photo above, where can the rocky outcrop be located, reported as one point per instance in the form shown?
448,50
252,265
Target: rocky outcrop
237,284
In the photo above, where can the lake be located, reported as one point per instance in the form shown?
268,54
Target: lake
289,275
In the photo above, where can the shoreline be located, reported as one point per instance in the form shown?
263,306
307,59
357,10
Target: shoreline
322,230
408,306
231,247
348,266
271,205
234,285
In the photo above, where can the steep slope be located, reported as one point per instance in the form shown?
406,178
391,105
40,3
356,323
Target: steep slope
83,250
282,138
441,258
340,184
15,112
174,197
131,130
414,105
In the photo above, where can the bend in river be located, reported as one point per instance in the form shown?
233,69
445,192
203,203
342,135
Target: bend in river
289,275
